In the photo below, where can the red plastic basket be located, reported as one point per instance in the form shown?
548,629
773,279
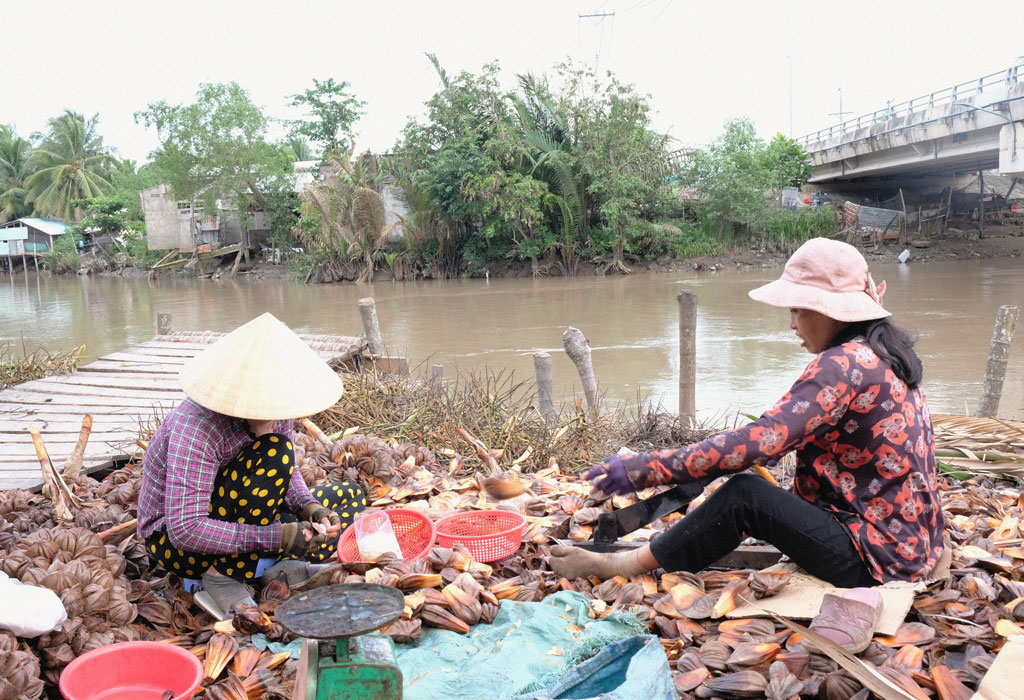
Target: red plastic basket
414,531
489,535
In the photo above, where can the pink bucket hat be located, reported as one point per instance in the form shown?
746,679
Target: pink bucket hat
830,277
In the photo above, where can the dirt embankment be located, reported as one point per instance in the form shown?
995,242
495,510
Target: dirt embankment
957,244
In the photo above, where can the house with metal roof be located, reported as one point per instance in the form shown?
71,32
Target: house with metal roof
29,237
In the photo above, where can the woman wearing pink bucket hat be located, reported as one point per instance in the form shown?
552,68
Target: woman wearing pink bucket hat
864,508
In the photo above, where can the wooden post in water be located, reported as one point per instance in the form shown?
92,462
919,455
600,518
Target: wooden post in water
163,323
436,375
545,391
981,203
368,311
998,354
578,350
687,356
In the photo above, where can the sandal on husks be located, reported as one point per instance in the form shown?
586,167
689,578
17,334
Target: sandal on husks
849,620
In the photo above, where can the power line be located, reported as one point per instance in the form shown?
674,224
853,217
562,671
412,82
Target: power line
600,16
667,3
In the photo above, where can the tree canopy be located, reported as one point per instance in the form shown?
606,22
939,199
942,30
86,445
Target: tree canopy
217,147
332,111
15,169
739,174
71,164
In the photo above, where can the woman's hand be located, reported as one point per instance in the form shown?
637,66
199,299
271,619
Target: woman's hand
299,539
319,515
611,477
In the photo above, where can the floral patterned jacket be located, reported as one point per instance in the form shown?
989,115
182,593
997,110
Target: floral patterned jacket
865,451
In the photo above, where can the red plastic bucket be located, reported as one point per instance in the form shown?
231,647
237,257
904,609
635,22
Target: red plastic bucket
132,671
414,531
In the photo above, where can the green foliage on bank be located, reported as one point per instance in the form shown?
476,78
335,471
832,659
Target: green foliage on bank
110,230
560,169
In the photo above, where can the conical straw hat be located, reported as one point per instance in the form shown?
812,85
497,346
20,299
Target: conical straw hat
263,371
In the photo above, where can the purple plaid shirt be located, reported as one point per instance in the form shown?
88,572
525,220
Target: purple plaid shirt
182,461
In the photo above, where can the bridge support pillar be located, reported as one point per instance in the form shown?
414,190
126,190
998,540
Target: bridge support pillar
1011,150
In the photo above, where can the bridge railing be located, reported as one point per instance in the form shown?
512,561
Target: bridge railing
956,93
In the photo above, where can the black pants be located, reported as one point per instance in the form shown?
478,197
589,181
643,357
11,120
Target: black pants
748,506
251,489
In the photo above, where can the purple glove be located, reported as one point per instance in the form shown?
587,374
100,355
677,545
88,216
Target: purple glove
611,477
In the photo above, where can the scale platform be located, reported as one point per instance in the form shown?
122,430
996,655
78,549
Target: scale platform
340,659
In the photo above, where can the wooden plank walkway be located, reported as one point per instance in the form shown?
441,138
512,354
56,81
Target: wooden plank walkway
122,391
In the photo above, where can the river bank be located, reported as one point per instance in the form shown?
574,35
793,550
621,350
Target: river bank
999,242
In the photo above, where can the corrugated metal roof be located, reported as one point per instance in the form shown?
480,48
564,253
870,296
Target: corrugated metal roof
51,227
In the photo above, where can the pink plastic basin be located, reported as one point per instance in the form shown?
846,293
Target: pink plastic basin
132,671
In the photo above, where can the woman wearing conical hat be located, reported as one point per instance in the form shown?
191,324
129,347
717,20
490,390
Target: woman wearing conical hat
864,508
220,486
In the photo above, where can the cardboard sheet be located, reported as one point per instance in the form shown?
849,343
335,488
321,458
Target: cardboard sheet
802,596
1002,682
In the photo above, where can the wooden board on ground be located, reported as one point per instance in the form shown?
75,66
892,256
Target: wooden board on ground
122,391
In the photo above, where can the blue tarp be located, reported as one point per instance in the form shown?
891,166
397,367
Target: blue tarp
537,648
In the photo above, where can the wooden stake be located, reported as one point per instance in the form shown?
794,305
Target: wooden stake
981,203
368,312
903,226
545,390
163,323
998,354
687,356
436,375
578,350
949,210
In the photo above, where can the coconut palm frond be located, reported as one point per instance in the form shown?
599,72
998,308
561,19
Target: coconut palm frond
440,71
368,213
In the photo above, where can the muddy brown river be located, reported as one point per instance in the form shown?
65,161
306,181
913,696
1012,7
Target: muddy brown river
747,357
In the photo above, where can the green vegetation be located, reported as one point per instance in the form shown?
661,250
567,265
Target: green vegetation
333,111
15,169
560,171
20,367
556,171
64,256
71,164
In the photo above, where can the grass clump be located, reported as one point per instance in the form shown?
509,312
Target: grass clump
22,367
783,231
501,412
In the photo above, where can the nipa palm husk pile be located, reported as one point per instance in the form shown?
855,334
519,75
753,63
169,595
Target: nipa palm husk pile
949,640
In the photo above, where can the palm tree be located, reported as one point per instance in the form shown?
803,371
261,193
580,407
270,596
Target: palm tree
15,168
352,226
551,159
72,165
299,149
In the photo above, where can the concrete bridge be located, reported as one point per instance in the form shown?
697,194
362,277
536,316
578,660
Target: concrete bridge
978,125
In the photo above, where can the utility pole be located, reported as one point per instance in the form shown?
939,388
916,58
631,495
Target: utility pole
840,114
597,16
790,60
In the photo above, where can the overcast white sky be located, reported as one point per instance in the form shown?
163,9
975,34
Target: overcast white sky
701,62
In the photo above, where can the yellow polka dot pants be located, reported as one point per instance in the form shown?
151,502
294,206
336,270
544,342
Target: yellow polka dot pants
251,489
344,498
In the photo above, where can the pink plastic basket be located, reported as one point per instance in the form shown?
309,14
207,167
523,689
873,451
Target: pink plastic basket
489,535
414,531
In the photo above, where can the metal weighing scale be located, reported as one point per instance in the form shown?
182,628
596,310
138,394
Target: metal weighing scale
340,660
